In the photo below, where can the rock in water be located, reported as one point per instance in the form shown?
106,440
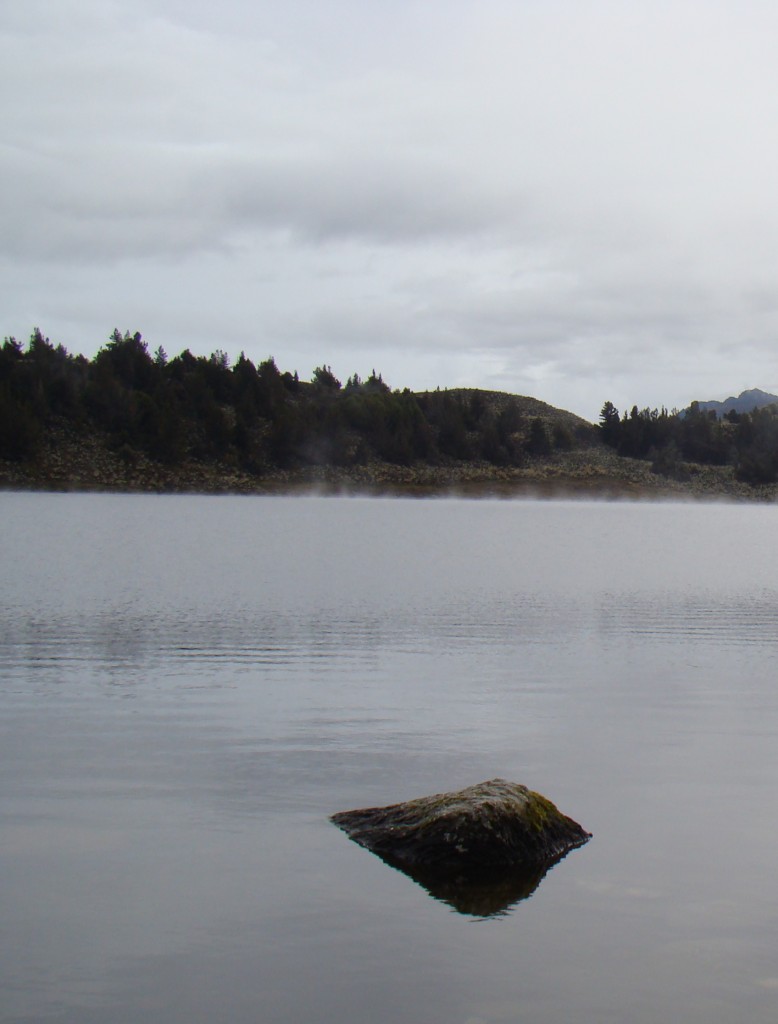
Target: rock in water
493,825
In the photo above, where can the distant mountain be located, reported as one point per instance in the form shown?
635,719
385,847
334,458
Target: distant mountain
746,401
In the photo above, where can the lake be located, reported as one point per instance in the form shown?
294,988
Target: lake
190,686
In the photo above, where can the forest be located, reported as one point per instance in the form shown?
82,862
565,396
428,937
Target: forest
255,417
672,440
259,419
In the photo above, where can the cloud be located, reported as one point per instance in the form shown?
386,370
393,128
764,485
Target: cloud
145,139
570,197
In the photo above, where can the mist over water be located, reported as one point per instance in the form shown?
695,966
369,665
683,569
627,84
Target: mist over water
190,686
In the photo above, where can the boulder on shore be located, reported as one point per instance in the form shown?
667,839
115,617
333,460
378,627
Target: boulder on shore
491,826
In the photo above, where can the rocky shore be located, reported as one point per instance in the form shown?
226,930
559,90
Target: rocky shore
74,462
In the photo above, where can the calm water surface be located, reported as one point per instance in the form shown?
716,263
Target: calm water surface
190,686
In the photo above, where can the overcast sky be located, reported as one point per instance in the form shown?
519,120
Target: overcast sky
572,200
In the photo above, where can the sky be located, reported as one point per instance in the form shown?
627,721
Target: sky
575,200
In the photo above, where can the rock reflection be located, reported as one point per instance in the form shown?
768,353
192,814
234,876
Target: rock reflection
492,892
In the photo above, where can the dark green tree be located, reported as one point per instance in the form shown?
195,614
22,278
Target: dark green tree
538,443
324,378
610,424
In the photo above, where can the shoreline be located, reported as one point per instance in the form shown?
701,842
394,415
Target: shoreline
79,464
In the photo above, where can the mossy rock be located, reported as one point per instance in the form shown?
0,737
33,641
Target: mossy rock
494,825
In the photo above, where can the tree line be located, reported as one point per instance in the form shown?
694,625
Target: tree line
671,440
253,417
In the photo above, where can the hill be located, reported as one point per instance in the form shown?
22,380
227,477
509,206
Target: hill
746,401
529,408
